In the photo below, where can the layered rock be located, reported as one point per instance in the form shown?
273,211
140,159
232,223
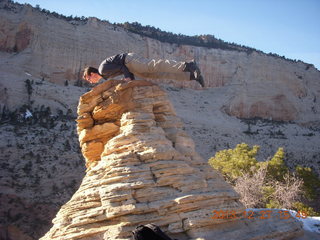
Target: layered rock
142,167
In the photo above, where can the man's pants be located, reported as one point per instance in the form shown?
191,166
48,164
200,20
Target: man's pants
156,69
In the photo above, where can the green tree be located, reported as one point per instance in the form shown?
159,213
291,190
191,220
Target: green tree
233,163
311,184
276,168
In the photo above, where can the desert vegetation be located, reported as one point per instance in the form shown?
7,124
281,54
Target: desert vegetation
268,184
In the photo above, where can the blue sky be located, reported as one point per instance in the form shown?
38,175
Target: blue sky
290,28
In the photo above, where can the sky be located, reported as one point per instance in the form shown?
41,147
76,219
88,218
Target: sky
289,28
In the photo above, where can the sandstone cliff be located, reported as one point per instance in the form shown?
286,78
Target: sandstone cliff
57,50
142,167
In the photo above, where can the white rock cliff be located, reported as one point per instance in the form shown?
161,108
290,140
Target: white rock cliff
266,86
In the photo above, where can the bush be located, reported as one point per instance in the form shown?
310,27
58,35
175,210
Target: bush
250,188
311,182
259,191
276,167
266,184
285,193
299,206
233,163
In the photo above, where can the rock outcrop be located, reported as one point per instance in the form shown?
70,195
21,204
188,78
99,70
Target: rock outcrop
142,167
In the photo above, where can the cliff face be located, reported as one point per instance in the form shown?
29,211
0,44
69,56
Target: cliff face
266,87
142,167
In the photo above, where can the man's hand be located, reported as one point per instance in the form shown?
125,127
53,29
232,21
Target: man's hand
126,79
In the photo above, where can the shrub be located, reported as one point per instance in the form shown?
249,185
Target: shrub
311,181
29,87
276,167
251,188
286,192
233,163
266,184
258,191
299,206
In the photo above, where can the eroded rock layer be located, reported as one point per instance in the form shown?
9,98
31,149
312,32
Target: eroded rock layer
142,167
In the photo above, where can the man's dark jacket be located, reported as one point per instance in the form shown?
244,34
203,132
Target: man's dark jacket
115,66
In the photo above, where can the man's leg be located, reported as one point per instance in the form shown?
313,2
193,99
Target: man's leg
156,69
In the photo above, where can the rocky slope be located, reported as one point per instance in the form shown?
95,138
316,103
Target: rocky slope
48,51
41,167
142,168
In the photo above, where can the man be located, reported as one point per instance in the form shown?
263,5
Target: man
131,65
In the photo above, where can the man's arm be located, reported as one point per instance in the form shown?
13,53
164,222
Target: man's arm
127,74
108,70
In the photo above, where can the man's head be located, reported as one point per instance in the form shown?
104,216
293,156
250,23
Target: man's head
91,75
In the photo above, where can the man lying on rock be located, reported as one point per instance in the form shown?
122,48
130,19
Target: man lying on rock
131,65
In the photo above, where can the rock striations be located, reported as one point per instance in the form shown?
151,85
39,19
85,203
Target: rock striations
142,167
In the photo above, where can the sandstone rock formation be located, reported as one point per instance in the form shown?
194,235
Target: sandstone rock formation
142,167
